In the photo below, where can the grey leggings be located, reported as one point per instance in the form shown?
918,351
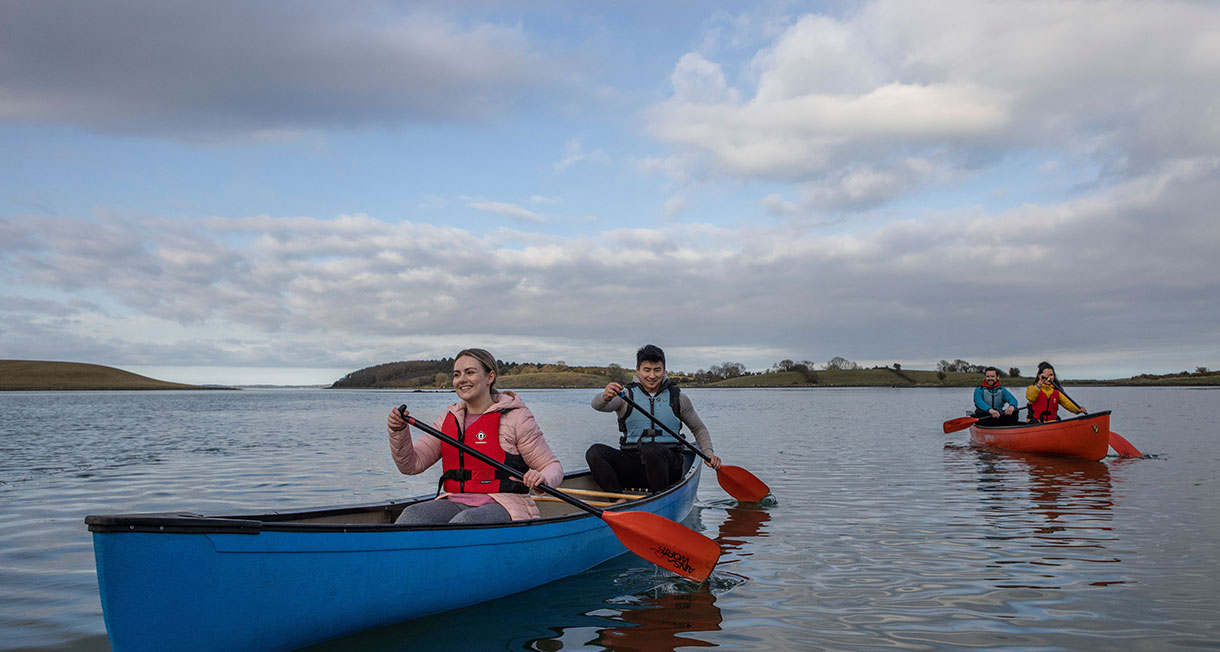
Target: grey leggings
446,511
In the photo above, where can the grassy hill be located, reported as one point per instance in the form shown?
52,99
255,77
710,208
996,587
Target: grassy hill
876,377
434,374
45,375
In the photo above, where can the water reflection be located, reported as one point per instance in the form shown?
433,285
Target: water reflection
1049,520
661,621
662,618
625,605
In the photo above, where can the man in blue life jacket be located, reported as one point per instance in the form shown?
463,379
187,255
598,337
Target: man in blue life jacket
991,400
647,456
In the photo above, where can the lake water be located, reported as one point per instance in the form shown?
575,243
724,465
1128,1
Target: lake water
883,531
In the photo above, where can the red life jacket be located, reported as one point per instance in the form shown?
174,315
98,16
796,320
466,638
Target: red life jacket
1046,406
465,474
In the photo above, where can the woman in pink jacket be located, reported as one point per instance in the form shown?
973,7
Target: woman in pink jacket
496,423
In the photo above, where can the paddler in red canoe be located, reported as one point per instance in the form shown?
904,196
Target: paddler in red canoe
991,400
1044,397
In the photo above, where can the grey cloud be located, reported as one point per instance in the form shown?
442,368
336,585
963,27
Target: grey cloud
238,69
1127,269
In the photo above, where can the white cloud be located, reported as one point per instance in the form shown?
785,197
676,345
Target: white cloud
511,211
775,204
890,83
675,206
574,152
699,81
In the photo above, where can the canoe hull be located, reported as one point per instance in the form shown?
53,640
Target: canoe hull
280,585
1085,436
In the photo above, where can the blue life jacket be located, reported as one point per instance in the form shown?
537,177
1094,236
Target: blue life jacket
639,429
994,396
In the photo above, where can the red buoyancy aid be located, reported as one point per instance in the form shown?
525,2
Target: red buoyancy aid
1046,406
465,474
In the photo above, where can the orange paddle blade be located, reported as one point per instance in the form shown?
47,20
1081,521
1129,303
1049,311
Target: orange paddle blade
667,544
1122,446
741,484
960,423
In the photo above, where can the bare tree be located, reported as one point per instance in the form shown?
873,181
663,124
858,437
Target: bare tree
841,363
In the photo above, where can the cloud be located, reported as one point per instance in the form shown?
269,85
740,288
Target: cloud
844,104
774,204
252,70
675,206
574,152
356,290
511,211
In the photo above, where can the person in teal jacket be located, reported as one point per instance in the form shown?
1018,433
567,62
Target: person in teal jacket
991,400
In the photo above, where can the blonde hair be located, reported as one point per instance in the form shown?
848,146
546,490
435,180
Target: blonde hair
487,360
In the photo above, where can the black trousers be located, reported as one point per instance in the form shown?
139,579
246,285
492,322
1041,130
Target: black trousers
653,466
1004,420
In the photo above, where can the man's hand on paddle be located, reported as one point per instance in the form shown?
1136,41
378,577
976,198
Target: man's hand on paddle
612,390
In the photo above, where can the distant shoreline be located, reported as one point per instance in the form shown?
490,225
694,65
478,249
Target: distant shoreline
41,375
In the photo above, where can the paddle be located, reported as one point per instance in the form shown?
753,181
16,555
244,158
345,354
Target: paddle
1117,441
667,544
960,423
1122,446
738,482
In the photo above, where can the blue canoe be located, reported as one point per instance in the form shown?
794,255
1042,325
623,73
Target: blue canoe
284,580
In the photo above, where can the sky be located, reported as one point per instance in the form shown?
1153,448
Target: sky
255,192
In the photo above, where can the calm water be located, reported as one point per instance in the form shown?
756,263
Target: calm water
884,533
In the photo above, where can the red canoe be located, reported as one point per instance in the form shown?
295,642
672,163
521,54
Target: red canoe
1085,436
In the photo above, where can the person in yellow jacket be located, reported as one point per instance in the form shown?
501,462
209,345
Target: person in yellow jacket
1044,397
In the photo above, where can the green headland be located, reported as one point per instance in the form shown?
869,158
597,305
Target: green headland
47,375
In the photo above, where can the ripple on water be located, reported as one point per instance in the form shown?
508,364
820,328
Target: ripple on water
890,536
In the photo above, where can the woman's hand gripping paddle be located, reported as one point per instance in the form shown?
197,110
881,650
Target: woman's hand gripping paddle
667,544
738,482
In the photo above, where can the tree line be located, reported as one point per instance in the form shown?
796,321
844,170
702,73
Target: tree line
432,373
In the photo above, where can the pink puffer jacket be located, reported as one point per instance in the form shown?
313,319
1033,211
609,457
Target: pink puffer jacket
519,434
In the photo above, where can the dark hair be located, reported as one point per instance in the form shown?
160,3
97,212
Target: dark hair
1043,366
996,370
649,353
486,359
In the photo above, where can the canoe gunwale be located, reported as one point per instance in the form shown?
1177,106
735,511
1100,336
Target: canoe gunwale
1033,426
280,521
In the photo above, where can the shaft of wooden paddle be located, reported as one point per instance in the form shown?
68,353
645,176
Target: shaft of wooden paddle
552,499
499,465
600,494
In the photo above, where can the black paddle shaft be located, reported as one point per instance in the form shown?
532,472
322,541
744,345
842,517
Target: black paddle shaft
623,395
1059,387
482,457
